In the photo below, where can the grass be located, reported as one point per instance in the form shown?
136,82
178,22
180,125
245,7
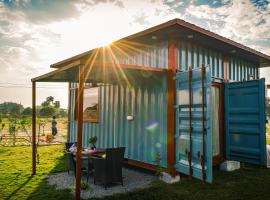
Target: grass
16,181
248,183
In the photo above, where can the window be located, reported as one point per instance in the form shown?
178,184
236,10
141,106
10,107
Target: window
90,105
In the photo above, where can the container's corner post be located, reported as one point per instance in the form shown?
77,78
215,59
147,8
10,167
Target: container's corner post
171,121
33,127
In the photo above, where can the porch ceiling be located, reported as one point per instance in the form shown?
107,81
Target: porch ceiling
111,73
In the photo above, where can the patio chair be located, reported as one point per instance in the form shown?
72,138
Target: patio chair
70,162
68,145
109,170
86,164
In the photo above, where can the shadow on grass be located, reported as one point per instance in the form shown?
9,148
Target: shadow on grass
250,182
20,187
46,191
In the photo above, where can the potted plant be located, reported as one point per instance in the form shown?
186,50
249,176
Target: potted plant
93,140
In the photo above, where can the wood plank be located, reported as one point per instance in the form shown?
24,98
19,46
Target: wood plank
173,66
33,128
79,134
62,69
69,96
95,66
141,164
128,66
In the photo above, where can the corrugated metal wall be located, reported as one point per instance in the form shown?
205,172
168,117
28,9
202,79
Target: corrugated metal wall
145,135
194,56
240,70
245,122
190,54
153,56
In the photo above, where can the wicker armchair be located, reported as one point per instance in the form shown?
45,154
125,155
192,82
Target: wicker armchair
109,170
86,164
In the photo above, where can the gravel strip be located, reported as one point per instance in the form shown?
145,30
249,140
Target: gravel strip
133,180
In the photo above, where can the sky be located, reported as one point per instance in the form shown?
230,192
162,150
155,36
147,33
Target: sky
37,33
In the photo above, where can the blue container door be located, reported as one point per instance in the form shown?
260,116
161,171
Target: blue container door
183,116
245,121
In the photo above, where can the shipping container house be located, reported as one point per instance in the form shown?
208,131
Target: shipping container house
175,90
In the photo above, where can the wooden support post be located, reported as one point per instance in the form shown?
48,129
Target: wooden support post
69,95
33,128
79,134
172,69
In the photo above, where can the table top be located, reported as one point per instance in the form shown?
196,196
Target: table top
89,152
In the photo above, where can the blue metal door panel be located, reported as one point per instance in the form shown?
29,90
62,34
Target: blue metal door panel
182,124
245,121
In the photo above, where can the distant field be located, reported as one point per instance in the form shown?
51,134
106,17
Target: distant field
23,138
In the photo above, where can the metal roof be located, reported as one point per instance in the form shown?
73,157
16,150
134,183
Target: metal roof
97,72
177,29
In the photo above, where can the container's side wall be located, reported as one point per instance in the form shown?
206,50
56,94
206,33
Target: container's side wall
151,55
144,136
240,70
192,55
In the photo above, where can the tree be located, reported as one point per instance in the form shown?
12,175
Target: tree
27,111
47,111
50,107
57,104
50,99
14,109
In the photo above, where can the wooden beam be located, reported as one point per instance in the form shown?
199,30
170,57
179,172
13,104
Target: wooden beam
62,75
69,95
79,134
140,164
173,66
128,66
33,128
50,74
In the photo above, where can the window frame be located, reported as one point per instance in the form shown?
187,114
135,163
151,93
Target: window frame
76,106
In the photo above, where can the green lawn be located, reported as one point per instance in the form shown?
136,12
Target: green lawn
16,183
15,173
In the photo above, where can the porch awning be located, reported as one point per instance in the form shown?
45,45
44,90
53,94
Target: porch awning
99,72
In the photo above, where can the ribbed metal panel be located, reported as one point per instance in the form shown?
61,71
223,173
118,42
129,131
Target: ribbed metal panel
153,56
240,70
191,55
194,56
145,135
245,121
183,119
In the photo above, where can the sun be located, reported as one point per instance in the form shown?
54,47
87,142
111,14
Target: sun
105,43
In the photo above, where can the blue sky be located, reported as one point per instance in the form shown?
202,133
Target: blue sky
37,33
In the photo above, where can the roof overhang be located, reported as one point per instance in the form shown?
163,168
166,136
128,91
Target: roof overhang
177,29
109,73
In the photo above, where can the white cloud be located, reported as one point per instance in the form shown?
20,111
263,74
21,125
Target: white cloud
32,39
237,20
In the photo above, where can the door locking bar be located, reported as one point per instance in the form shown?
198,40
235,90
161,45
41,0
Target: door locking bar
203,127
190,123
